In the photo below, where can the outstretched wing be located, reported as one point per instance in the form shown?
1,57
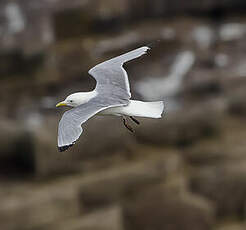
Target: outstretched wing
113,90
70,129
111,77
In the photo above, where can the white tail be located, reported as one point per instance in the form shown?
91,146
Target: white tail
143,109
137,109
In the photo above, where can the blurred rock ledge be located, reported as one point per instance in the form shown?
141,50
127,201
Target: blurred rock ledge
231,226
66,198
172,211
185,171
31,21
109,218
220,164
228,179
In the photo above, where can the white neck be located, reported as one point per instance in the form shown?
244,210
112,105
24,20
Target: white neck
84,97
80,98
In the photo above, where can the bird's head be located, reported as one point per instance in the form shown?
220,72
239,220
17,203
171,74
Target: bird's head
72,100
76,99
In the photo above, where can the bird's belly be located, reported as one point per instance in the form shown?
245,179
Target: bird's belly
132,109
115,111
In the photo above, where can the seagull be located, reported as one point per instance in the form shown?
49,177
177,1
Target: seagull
111,96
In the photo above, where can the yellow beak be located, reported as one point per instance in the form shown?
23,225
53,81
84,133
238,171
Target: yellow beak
61,104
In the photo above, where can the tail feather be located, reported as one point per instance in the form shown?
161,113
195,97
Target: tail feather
154,109
145,109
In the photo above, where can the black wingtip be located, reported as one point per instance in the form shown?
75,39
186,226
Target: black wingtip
64,148
153,44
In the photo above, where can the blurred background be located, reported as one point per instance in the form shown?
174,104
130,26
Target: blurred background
186,171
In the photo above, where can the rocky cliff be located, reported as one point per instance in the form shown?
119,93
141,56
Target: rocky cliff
185,171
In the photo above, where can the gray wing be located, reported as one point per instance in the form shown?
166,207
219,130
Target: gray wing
111,77
113,90
70,129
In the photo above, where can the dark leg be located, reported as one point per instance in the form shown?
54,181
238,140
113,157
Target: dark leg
126,125
135,120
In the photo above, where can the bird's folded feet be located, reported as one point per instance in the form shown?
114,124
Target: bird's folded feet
135,120
127,125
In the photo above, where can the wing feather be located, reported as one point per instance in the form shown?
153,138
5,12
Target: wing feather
69,129
111,77
113,90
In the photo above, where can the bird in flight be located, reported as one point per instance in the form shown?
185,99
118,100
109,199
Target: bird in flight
111,96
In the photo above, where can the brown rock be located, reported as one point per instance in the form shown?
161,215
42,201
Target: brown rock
158,209
34,206
226,149
109,218
205,153
116,185
16,153
231,226
237,105
202,83
223,184
182,128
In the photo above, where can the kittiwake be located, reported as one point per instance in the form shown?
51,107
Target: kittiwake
111,96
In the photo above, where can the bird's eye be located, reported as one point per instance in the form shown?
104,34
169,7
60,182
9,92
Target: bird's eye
71,101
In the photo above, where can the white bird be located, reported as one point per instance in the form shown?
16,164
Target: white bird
110,97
